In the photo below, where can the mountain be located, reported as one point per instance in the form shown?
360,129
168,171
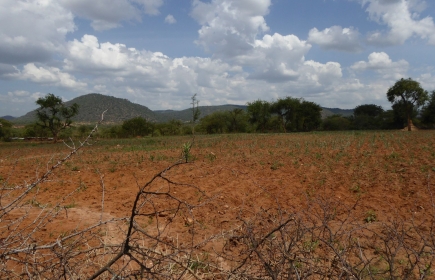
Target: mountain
326,112
92,105
8,118
186,115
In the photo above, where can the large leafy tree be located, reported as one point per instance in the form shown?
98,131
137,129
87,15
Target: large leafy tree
215,122
259,114
428,111
54,115
5,129
409,94
137,127
237,120
286,108
309,116
368,116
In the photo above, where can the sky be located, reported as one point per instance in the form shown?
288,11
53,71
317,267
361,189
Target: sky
159,53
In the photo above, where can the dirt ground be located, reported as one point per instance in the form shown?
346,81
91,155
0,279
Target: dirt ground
229,179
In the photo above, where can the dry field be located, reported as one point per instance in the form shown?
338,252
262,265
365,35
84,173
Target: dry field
352,205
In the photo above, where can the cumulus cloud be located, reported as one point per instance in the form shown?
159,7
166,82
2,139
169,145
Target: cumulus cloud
382,64
427,80
32,31
20,96
7,70
23,95
336,38
107,16
142,74
231,30
230,27
276,58
170,19
49,76
403,19
150,7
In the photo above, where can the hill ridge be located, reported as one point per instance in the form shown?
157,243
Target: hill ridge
92,105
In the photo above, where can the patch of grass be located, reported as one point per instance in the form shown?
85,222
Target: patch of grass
370,216
276,165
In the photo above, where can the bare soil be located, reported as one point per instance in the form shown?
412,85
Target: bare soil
231,178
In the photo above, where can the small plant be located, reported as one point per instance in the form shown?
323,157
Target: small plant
75,168
370,216
35,203
211,156
185,151
276,165
356,189
71,205
82,186
310,246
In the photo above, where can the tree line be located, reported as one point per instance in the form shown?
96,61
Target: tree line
411,104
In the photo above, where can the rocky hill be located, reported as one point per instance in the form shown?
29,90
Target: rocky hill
92,105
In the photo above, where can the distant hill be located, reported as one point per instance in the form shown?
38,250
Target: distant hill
8,118
92,105
186,114
326,112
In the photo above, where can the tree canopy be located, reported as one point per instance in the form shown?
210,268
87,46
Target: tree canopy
428,111
54,115
137,127
409,94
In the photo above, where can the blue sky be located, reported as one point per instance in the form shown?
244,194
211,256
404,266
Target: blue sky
158,53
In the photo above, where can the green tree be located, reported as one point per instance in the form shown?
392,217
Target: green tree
35,130
428,111
137,127
409,94
5,129
215,122
286,108
259,114
336,122
368,116
54,115
173,127
237,120
308,116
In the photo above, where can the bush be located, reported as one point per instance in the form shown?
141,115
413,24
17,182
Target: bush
336,122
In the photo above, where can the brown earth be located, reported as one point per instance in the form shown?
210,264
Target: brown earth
380,176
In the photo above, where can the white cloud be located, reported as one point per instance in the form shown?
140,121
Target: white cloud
103,15
150,7
49,76
382,64
427,80
7,70
170,19
230,30
403,20
230,27
276,58
336,38
145,76
106,15
32,31
21,96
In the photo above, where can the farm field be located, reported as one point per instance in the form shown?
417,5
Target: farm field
322,205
